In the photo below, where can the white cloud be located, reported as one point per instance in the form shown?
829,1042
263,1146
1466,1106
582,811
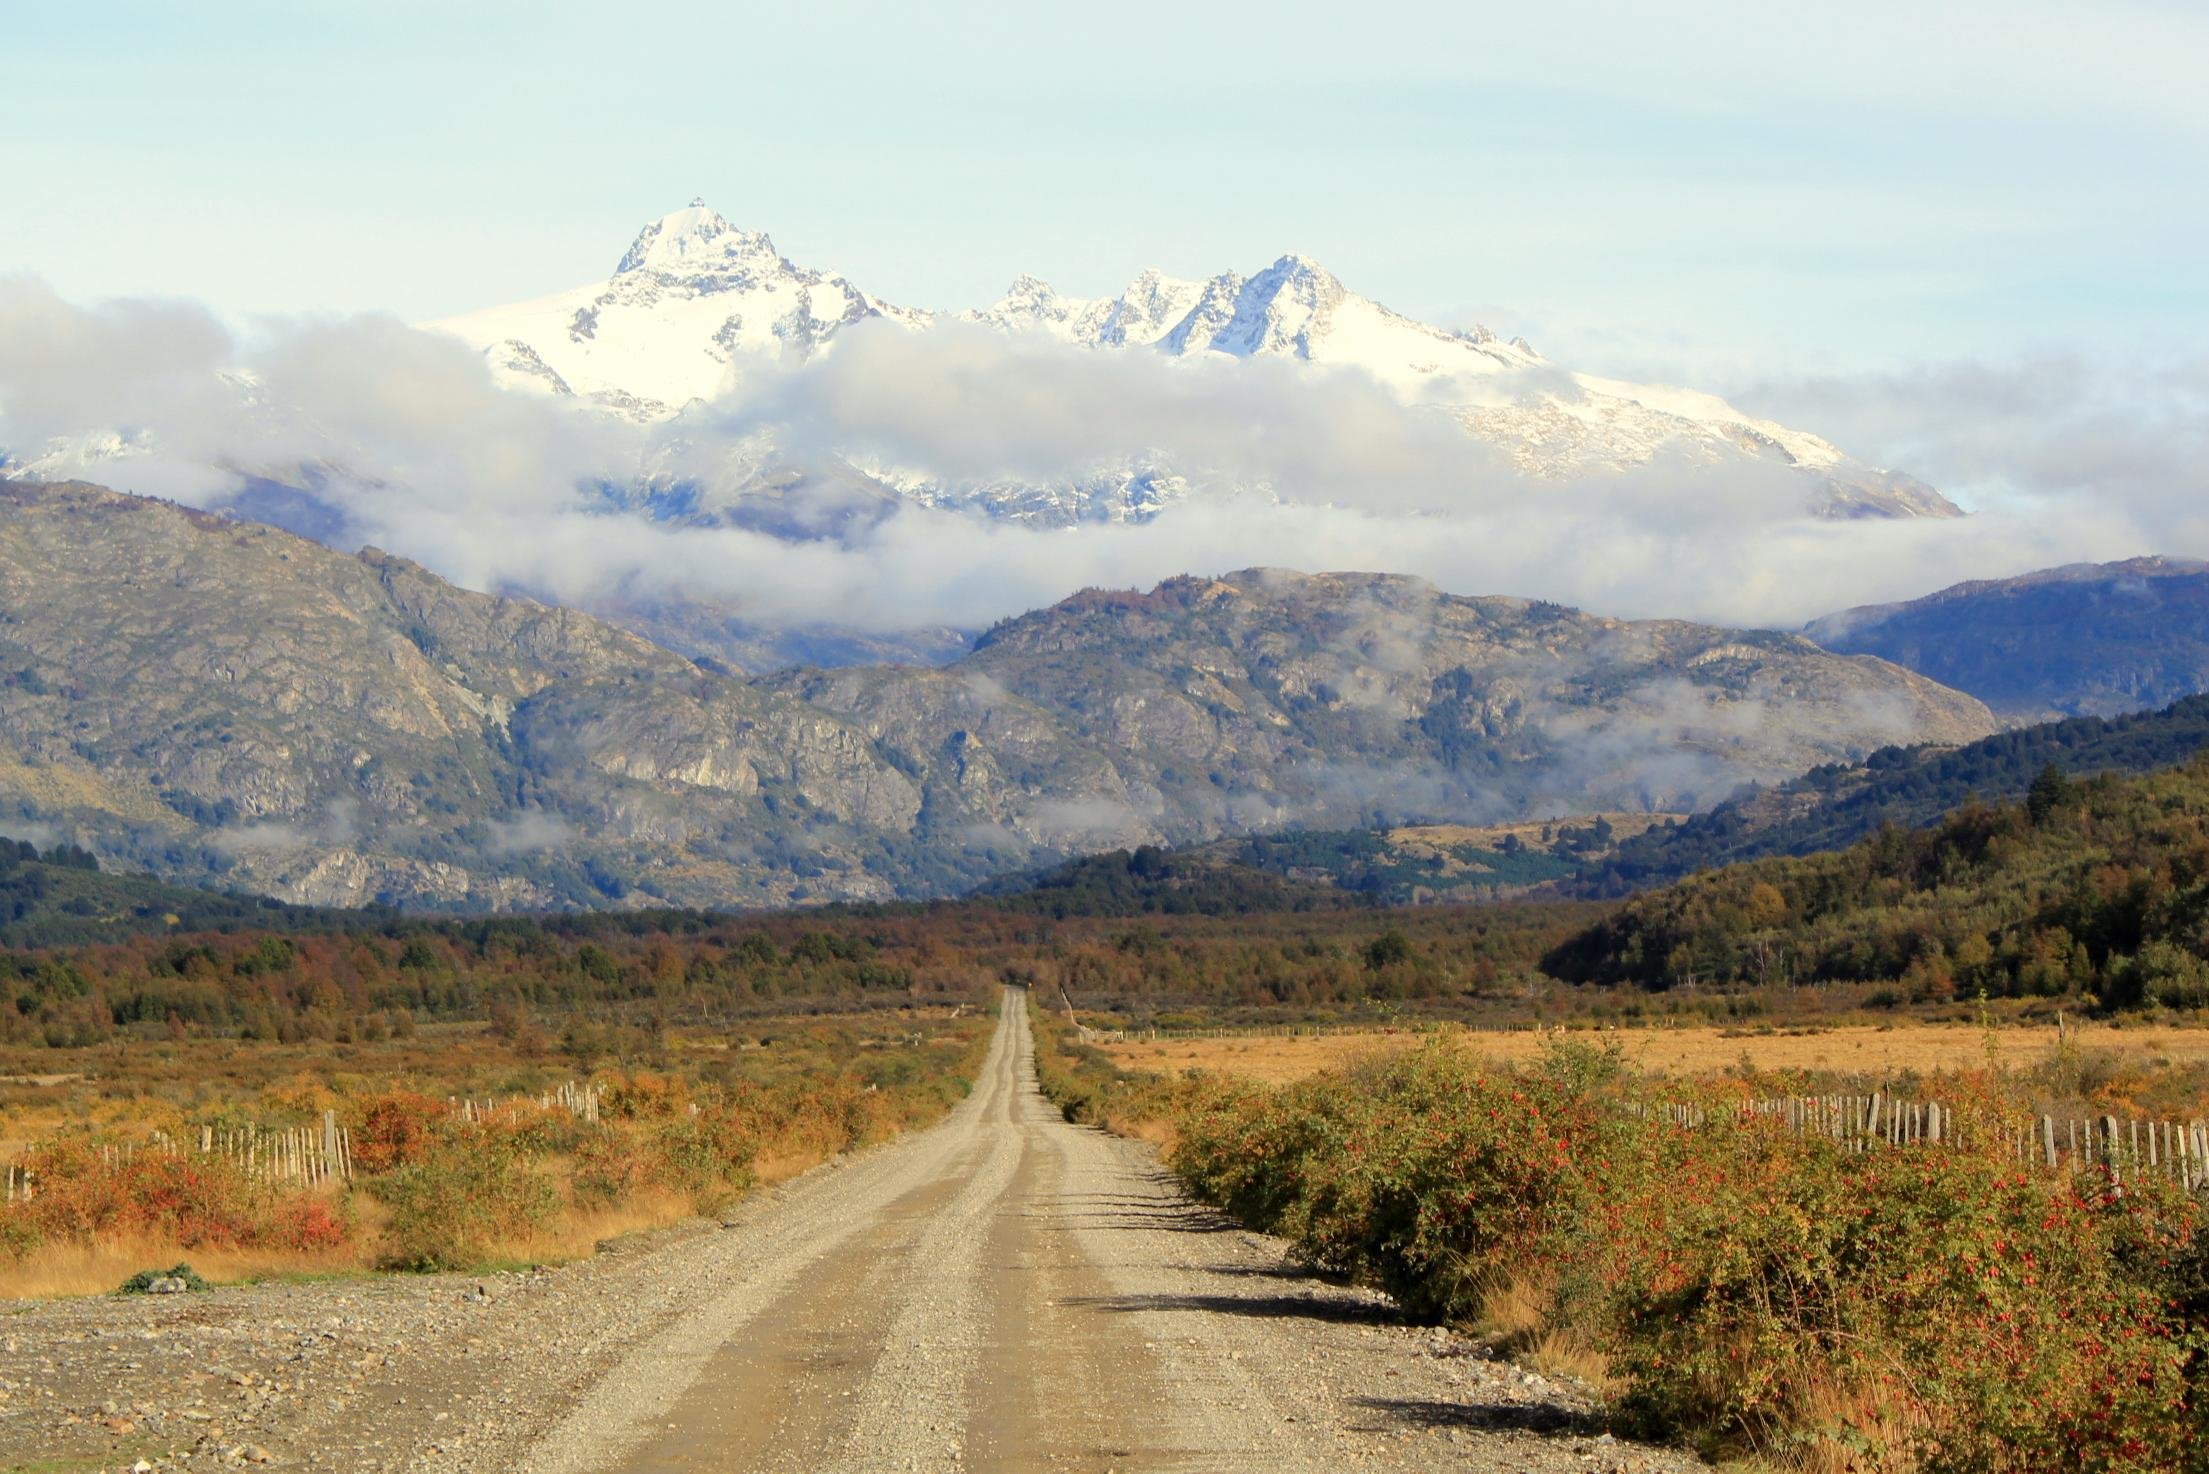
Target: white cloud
528,832
405,433
2128,435
338,824
34,832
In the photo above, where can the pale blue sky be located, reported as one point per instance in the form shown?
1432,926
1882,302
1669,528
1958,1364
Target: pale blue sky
1717,191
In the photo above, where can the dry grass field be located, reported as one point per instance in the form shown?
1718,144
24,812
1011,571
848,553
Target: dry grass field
1867,1049
693,1118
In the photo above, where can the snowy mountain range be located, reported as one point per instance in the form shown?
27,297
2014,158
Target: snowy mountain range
697,304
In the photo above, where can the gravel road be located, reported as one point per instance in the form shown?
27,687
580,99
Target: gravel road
1001,1291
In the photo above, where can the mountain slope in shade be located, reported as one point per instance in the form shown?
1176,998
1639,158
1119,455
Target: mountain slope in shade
219,701
697,301
2087,639
47,901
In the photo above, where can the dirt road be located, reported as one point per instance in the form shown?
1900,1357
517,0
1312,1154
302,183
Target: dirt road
1002,1291
1008,1292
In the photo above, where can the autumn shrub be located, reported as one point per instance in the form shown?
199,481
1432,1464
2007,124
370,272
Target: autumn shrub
1427,1174
815,1118
1240,1152
1928,1307
1925,1308
534,1130
1090,1089
195,1202
393,1128
641,1095
192,1201
456,1205
611,1166
308,1222
706,1158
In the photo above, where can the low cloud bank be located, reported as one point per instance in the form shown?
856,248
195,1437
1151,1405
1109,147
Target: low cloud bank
403,437
2059,439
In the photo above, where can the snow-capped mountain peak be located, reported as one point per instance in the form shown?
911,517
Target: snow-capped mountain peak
698,301
1149,308
695,299
1298,271
1281,310
696,241
1032,302
1142,314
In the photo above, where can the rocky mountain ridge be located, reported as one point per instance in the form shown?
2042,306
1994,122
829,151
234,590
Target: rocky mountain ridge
219,701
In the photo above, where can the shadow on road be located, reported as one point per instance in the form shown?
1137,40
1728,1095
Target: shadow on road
1146,1214
1293,1273
1263,1307
1538,1417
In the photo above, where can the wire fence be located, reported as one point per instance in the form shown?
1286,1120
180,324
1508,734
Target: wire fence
303,1156
2175,1149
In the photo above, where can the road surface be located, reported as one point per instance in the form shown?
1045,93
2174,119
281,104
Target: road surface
1006,1291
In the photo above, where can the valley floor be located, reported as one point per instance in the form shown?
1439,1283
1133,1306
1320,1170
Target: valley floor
1871,1050
1002,1291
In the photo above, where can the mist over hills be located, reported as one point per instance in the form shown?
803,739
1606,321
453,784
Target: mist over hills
825,478
1605,856
214,700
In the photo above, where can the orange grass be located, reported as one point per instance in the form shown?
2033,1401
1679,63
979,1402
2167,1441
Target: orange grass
1683,1051
75,1267
577,1232
770,1168
819,1086
78,1267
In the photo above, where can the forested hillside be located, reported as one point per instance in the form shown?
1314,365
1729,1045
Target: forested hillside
60,897
1834,806
1827,808
1316,869
2097,888
1213,881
